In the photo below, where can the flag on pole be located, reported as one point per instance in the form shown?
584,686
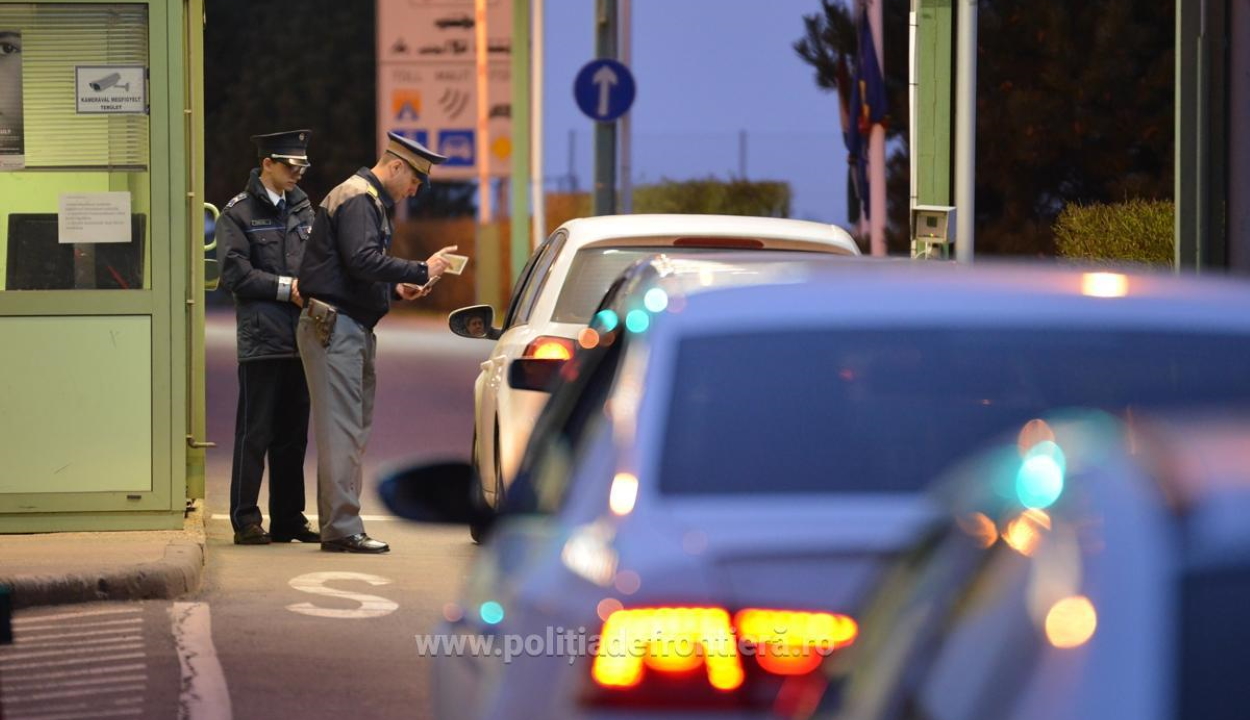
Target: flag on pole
850,138
868,103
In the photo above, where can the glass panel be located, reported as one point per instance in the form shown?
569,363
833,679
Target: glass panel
74,144
885,411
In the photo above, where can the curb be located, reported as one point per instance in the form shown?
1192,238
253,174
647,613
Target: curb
177,573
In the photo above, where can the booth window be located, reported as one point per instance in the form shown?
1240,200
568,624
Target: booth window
74,147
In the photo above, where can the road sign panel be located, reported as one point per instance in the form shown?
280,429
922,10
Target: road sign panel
604,89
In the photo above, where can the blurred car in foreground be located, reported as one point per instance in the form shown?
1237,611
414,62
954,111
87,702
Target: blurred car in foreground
1091,568
558,290
728,469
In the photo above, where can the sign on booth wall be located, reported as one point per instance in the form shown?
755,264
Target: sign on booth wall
12,119
101,217
111,89
427,80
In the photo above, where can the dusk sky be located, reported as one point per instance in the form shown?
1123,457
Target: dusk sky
705,70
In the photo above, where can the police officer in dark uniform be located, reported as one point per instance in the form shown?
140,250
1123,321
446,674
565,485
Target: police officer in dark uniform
350,279
260,244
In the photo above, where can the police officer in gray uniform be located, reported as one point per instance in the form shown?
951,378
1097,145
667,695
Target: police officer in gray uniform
350,279
260,242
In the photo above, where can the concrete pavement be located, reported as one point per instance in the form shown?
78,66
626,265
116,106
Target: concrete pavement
59,568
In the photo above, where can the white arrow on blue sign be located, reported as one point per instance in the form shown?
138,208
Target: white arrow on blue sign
604,89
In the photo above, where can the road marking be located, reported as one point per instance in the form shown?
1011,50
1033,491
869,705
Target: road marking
10,686
136,644
27,628
204,695
13,697
91,714
371,606
313,518
19,622
75,673
79,661
58,640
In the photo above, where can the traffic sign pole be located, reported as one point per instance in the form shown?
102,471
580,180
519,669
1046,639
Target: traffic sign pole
605,132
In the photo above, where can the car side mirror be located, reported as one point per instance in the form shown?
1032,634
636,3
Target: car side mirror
533,374
436,493
476,321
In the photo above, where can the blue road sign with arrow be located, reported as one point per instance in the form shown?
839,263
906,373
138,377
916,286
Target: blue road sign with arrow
604,89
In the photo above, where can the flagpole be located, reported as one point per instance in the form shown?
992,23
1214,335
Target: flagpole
965,129
876,146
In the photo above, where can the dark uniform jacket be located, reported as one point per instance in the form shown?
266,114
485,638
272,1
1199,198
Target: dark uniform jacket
255,245
346,263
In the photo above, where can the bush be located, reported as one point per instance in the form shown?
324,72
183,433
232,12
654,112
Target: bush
714,197
1135,231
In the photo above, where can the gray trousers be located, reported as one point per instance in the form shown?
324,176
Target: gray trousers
341,384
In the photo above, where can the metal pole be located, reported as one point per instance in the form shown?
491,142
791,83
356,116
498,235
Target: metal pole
572,169
485,214
965,130
605,133
742,154
1238,136
522,156
538,192
876,146
627,183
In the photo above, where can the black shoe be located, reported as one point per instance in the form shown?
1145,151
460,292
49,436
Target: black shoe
305,535
360,543
252,535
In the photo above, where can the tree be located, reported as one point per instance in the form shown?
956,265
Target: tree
272,66
1074,105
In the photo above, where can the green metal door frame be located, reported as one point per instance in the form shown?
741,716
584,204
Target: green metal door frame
174,183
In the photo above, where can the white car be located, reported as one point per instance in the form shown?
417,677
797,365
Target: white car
716,484
559,287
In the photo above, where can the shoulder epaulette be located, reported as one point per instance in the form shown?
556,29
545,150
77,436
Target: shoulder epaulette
369,188
235,199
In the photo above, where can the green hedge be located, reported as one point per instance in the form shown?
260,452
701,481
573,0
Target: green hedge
714,197
1135,231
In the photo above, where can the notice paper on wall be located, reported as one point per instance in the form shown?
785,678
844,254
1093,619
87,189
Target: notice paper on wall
102,217
12,121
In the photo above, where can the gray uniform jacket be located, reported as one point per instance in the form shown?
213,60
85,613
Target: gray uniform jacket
256,245
346,264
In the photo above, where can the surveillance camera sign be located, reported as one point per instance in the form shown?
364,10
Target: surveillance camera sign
112,89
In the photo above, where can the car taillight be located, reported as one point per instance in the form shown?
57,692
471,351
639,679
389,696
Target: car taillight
548,347
793,643
720,242
697,656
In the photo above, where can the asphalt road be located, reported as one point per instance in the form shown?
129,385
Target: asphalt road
302,633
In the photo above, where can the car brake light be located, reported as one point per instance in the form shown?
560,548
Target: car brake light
548,347
667,655
720,242
788,642
667,640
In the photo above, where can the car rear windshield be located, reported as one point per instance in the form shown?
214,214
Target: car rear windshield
592,273
885,411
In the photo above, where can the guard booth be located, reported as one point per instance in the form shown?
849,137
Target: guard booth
101,284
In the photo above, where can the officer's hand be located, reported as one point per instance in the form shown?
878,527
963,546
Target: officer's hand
295,296
437,264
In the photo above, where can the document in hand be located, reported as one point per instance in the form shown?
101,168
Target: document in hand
457,262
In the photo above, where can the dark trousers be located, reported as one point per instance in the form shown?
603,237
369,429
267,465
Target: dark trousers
272,420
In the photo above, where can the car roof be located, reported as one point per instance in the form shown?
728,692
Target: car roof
985,294
591,230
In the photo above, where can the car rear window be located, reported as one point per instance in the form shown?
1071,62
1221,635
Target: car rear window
592,272
885,411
